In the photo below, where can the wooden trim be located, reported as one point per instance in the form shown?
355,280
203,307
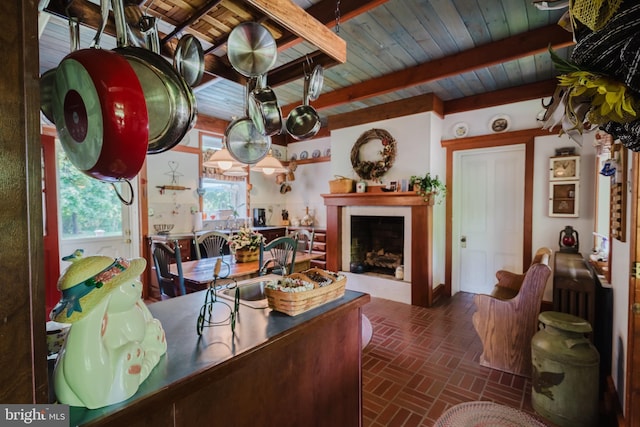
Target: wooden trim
211,124
404,107
525,137
632,377
537,90
397,198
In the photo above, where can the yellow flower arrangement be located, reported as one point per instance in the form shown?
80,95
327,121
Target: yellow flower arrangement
610,99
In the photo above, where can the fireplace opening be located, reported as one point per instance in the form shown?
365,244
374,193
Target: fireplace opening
377,244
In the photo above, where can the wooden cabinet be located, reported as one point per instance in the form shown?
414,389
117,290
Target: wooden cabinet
272,233
563,198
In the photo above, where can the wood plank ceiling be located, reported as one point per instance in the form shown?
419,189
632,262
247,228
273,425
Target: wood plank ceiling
469,53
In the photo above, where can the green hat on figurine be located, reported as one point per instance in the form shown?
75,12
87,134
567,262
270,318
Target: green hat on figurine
87,280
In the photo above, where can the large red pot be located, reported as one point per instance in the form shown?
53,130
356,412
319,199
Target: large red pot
100,114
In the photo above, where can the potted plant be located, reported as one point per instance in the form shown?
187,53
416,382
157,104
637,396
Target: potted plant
429,187
246,244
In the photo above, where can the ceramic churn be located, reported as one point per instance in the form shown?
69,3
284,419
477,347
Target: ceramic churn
565,371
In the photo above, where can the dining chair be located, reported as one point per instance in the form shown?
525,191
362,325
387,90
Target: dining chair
283,256
163,256
211,244
305,239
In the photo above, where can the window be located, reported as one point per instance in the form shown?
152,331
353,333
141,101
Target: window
222,193
88,207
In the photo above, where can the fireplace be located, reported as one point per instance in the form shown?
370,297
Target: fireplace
373,240
377,244
416,220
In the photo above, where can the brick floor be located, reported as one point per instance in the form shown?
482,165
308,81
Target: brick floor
422,361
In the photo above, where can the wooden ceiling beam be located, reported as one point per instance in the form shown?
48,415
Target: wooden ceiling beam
210,4
90,16
296,20
540,90
325,12
512,48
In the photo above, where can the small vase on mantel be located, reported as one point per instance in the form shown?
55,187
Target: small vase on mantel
247,255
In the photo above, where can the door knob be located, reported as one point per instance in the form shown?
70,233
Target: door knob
463,241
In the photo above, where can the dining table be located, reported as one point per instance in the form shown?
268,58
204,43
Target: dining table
198,274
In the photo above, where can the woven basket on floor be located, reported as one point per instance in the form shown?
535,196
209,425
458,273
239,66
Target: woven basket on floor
294,303
481,413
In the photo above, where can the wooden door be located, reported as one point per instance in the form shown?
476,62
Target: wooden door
50,223
488,232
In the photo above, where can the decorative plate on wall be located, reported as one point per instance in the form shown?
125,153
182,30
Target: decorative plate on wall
315,154
304,155
500,123
460,130
327,152
294,156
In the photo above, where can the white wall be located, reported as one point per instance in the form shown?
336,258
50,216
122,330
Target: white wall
173,207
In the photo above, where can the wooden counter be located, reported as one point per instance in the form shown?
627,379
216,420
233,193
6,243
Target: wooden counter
277,370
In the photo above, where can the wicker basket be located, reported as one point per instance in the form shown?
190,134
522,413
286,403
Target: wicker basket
247,255
294,303
341,185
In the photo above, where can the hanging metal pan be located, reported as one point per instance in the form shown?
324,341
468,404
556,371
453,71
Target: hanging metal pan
264,110
189,60
303,121
47,80
251,49
245,143
315,83
170,101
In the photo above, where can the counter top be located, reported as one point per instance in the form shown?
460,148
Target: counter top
189,235
189,355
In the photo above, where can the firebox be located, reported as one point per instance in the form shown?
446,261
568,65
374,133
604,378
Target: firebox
377,244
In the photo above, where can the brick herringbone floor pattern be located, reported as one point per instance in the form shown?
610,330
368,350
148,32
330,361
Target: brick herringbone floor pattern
421,361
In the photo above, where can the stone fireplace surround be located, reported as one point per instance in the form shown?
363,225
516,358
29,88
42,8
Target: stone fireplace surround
418,268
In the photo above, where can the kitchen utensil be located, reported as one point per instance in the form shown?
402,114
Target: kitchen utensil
245,143
251,49
303,121
264,110
189,60
47,80
101,114
316,79
170,101
163,228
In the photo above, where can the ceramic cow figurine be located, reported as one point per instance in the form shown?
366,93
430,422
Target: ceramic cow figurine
114,342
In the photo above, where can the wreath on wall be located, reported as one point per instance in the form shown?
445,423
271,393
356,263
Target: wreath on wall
368,169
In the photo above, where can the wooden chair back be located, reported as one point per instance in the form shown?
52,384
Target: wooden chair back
305,239
163,256
283,256
211,244
506,326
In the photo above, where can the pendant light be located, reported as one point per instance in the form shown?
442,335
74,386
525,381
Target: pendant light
269,165
236,171
222,159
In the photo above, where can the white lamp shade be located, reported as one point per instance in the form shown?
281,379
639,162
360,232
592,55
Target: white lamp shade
235,171
269,165
221,159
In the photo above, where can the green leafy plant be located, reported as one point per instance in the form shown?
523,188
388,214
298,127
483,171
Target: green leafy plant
428,187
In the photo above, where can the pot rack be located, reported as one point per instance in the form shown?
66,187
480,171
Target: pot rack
290,22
